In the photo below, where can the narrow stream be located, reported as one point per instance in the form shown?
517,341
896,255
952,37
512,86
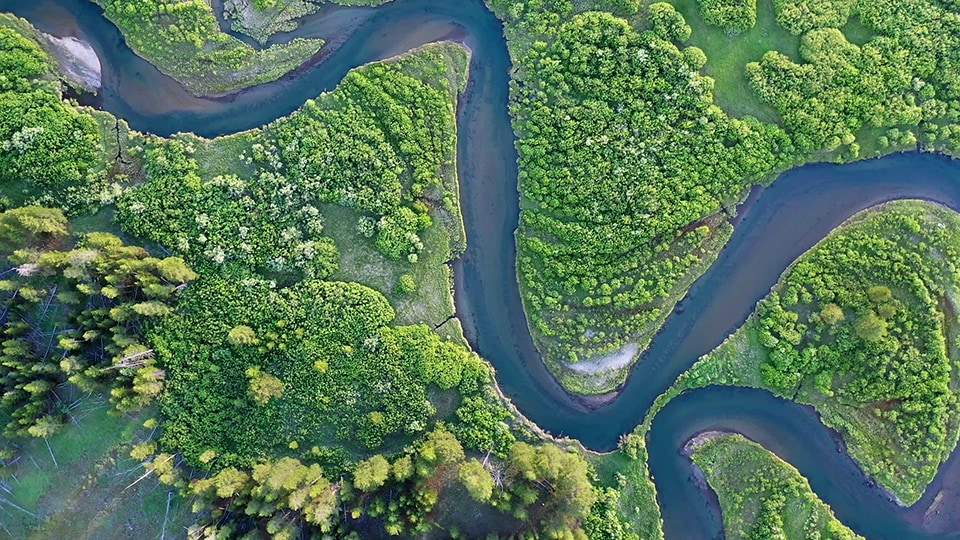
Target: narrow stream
785,220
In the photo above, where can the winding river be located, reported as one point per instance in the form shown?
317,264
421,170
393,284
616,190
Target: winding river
780,223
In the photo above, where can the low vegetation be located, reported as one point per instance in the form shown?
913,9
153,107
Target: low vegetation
862,328
183,39
761,496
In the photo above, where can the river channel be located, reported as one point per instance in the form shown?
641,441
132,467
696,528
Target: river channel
782,222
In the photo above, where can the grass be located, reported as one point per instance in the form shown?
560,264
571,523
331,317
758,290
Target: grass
626,470
360,261
76,484
186,43
750,480
729,54
431,304
871,440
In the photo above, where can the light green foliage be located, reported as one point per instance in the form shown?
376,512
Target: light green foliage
49,152
284,498
897,87
878,369
602,262
542,490
370,474
763,497
799,16
668,24
28,225
242,335
378,144
21,60
349,378
477,480
225,218
95,299
183,39
263,386
732,15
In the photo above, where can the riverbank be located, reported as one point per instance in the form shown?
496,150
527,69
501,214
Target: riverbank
761,496
197,54
869,435
78,61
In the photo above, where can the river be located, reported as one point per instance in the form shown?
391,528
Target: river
783,221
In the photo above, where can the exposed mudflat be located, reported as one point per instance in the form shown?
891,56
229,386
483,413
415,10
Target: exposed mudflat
77,59
614,361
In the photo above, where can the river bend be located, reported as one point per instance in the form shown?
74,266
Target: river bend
783,221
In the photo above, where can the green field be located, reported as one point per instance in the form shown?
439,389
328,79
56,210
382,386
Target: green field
81,483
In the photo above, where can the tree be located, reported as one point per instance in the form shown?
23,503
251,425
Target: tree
242,335
870,327
175,270
28,224
831,313
263,386
370,474
476,478
442,447
879,294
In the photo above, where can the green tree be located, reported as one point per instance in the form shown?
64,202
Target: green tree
870,327
263,386
241,335
476,478
371,473
832,313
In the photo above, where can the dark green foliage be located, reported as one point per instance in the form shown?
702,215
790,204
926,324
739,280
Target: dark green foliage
76,314
733,15
378,144
49,152
482,425
903,81
349,380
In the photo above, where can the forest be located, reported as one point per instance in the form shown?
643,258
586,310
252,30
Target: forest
861,327
274,400
629,168
198,288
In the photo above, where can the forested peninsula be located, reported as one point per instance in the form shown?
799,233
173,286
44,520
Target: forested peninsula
631,164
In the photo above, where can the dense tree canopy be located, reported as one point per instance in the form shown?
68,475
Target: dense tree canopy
600,262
